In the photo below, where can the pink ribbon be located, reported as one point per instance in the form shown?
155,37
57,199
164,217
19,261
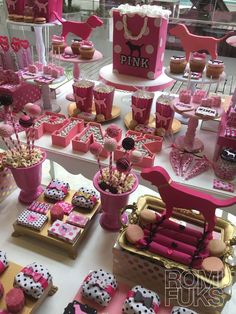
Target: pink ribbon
78,309
37,277
58,187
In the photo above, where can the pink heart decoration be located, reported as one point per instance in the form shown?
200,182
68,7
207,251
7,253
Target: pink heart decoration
24,44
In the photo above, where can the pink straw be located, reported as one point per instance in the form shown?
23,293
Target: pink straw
110,168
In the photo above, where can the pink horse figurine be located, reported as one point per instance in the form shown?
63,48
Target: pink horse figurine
80,29
175,195
191,42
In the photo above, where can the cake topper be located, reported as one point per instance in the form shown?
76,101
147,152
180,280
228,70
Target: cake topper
176,195
81,29
191,42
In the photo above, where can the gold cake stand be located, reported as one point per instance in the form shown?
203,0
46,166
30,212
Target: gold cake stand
31,304
42,235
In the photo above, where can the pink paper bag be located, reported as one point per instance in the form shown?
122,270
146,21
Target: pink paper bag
45,8
139,43
15,6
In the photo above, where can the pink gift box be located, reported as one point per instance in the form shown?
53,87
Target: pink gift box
103,99
45,8
83,92
138,44
141,106
48,123
64,135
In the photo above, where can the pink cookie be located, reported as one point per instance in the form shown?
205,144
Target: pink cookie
55,73
185,96
198,96
182,107
223,185
216,101
47,69
206,102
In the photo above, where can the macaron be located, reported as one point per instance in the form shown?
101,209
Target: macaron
147,216
216,247
133,233
213,267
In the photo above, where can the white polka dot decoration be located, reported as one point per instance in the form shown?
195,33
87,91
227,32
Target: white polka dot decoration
117,49
147,31
119,26
150,75
157,22
162,56
149,49
161,43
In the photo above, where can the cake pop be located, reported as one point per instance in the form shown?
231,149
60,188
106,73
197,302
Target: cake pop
32,110
110,145
128,143
96,149
25,121
123,164
113,131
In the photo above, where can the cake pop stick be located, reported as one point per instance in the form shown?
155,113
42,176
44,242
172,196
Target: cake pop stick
135,158
95,149
6,131
110,145
123,166
26,122
209,88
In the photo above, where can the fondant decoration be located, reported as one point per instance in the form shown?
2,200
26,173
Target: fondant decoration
33,280
206,112
85,198
48,123
39,207
57,190
182,107
64,231
32,220
147,144
139,38
63,136
3,261
177,195
99,286
141,300
192,75
77,220
67,207
76,307
191,42
80,29
182,310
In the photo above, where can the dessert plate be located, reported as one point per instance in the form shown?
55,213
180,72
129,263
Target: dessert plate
115,113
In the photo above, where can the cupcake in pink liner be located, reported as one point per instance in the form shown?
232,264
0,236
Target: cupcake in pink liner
103,99
83,92
141,106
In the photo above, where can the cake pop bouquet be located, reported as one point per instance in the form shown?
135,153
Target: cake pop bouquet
19,155
117,179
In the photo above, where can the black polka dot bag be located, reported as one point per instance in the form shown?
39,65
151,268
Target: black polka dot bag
57,190
3,261
85,198
141,300
33,280
100,287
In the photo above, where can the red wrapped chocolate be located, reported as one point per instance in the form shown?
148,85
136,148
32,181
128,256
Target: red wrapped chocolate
139,39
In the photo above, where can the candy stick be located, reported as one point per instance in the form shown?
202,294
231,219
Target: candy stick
208,92
18,145
110,145
95,149
7,145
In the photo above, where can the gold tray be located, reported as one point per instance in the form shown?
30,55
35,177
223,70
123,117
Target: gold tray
223,227
31,304
42,235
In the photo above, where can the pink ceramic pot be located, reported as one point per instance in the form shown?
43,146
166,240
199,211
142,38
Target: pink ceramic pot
29,181
112,205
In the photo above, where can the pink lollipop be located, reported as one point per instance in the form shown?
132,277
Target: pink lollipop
110,145
32,110
95,149
113,131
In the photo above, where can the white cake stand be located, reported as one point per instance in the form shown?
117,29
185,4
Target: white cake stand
132,83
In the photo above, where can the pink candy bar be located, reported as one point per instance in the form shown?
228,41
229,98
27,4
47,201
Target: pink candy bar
223,185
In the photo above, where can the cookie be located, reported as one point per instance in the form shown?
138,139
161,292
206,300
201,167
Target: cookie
206,112
216,248
147,216
85,198
133,233
141,300
40,20
182,107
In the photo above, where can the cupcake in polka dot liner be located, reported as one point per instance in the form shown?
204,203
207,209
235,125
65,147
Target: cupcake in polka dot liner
117,179
19,154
